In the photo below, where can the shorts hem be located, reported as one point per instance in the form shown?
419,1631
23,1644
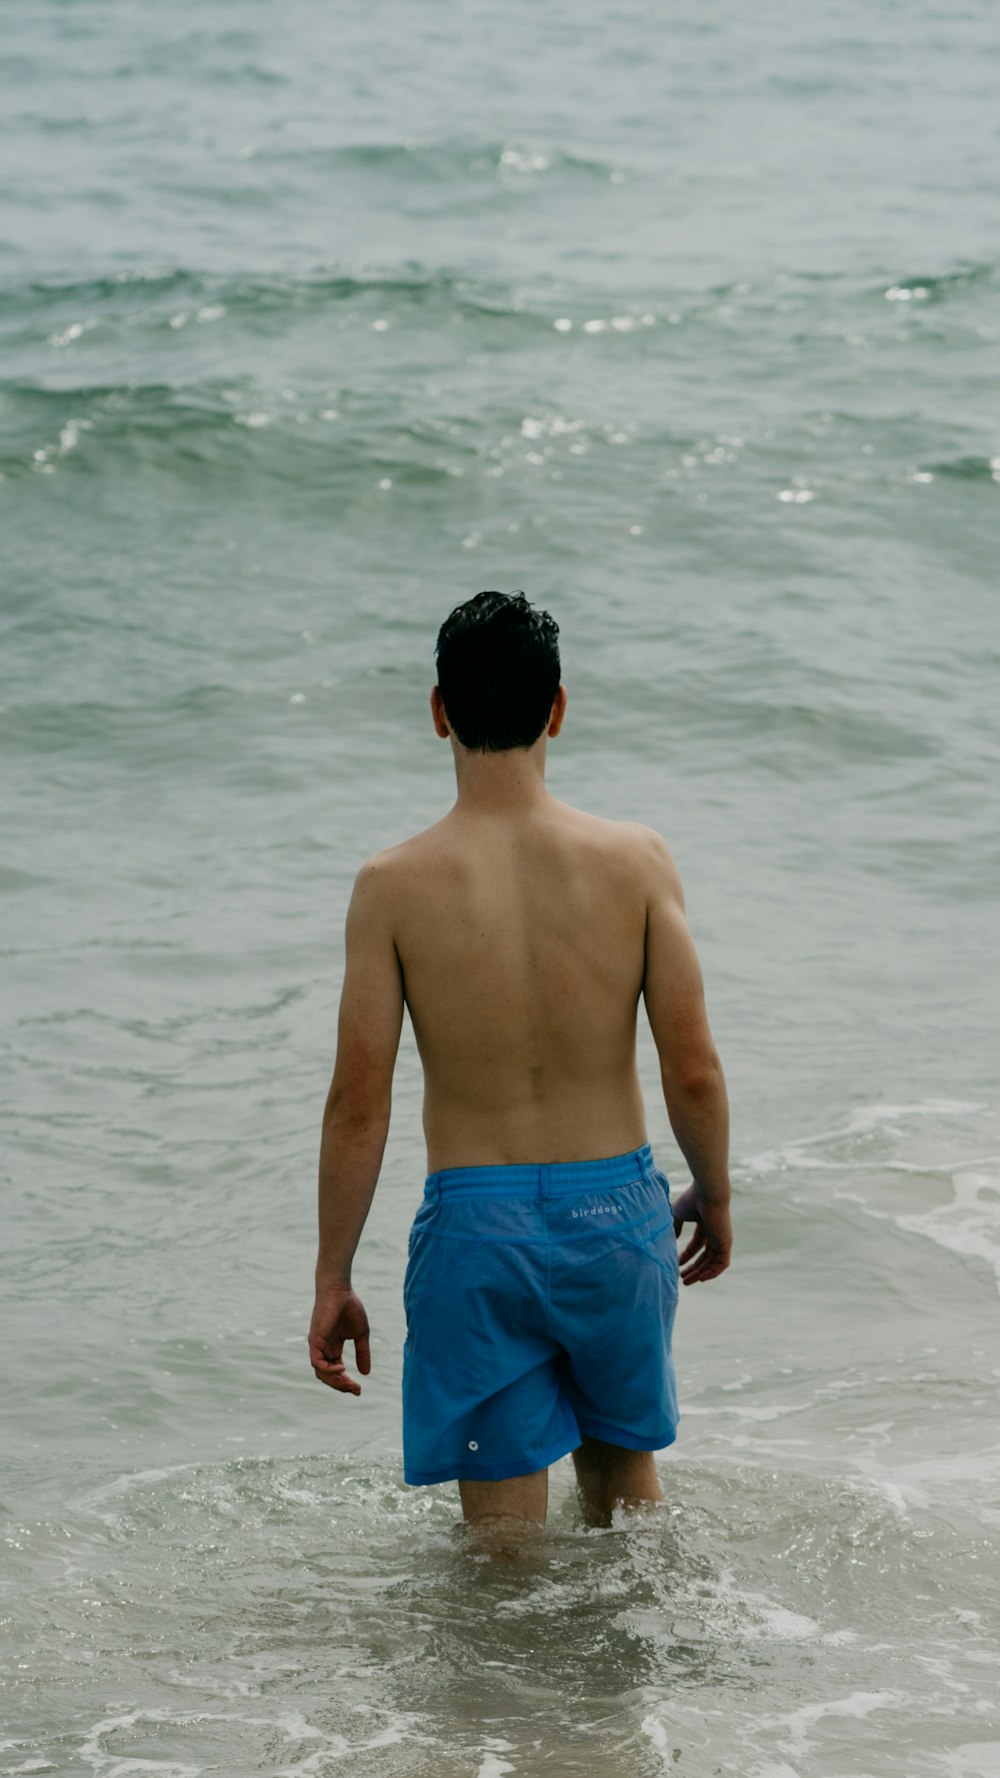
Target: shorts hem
630,1441
494,1472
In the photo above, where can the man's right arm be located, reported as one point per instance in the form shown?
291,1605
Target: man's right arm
694,1087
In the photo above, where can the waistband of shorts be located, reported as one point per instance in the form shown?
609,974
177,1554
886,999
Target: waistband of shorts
547,1180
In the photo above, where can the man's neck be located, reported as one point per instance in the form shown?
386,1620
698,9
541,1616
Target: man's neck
507,783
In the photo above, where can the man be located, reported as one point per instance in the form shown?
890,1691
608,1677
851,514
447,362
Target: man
541,1282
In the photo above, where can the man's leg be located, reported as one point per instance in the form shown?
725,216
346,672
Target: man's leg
504,1514
608,1476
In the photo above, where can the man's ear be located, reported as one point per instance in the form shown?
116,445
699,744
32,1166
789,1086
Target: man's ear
558,711
438,713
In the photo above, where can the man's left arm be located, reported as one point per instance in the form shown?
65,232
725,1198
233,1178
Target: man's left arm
355,1124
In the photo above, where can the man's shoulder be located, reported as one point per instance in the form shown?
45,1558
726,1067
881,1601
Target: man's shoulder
387,868
644,853
633,839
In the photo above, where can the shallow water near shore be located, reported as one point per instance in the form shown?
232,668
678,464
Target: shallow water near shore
283,1614
686,325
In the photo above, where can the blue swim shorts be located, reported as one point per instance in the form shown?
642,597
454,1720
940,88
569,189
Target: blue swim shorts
540,1305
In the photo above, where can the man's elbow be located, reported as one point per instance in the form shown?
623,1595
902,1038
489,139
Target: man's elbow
356,1107
693,1077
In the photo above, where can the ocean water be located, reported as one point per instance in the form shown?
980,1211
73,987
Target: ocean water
312,324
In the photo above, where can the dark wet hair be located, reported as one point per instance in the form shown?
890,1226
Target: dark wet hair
498,671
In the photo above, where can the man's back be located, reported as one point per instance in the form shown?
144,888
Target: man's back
521,938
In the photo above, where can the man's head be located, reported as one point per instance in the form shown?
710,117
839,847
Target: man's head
498,671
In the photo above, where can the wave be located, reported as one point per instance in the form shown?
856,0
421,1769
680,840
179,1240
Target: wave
937,287
193,430
62,310
137,287
442,160
62,313
969,469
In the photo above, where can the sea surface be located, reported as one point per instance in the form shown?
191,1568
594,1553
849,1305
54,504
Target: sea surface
315,321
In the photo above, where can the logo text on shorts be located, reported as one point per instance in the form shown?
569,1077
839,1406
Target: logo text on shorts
599,1210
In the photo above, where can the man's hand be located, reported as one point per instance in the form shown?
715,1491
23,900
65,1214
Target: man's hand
712,1241
339,1315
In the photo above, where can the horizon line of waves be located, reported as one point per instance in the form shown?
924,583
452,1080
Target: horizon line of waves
935,286
218,421
75,314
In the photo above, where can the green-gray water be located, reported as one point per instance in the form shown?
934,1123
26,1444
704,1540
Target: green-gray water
313,324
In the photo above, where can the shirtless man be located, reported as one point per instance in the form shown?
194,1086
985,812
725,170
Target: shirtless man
541,1282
